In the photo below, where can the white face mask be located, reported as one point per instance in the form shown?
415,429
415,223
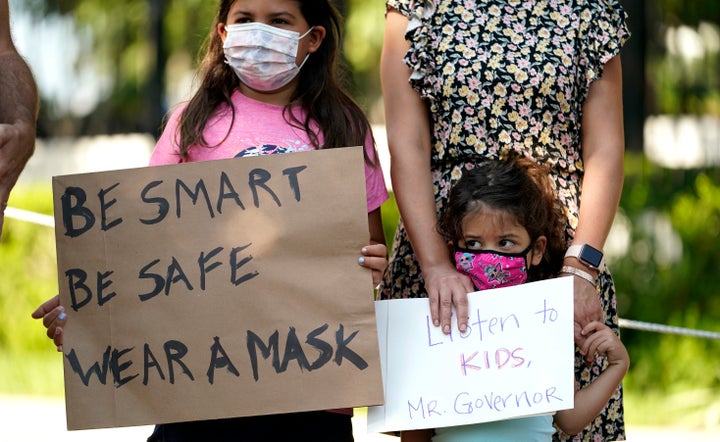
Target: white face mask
262,56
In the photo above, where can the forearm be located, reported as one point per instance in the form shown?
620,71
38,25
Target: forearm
408,130
416,436
603,150
412,185
18,92
601,189
590,401
377,234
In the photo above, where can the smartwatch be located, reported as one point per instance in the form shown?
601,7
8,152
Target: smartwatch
587,254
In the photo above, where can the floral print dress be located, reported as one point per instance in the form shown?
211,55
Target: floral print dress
501,76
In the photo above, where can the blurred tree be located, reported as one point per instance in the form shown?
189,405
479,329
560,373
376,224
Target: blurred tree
146,48
683,57
132,44
364,30
633,61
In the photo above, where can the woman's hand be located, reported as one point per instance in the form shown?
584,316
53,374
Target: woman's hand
446,287
374,257
54,318
587,310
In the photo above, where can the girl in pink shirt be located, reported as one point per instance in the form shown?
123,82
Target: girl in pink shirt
268,85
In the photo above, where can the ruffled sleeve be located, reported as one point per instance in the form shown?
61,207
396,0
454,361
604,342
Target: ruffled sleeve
419,33
402,6
605,32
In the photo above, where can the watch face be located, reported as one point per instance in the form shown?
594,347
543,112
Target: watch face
591,256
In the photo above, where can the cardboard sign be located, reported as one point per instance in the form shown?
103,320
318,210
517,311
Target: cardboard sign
516,359
216,289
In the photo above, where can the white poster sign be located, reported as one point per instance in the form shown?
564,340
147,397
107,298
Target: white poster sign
516,359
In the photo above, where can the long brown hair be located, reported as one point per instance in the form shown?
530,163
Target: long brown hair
319,91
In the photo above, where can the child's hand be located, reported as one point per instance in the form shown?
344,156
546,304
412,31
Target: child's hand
602,341
374,256
54,317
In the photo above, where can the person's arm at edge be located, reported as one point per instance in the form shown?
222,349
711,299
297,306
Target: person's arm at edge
408,132
18,111
374,255
416,436
603,148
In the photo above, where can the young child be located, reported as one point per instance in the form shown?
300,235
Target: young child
504,228
268,85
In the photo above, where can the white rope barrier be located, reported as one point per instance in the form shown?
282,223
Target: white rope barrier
49,221
28,216
660,328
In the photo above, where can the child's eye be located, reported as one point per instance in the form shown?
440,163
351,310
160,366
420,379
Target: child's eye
506,243
473,245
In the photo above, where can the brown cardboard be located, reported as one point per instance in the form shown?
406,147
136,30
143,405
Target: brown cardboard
185,352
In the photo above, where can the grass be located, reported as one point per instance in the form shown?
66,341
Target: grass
692,409
41,374
32,374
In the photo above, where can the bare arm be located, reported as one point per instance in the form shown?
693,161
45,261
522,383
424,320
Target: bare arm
374,255
416,436
18,111
591,400
408,129
603,148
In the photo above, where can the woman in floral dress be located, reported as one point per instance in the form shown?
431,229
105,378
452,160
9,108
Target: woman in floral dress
470,80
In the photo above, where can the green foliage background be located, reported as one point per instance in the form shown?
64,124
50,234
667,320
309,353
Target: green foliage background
673,380
28,361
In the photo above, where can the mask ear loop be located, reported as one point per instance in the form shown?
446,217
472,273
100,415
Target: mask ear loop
308,54
306,33
303,62
530,248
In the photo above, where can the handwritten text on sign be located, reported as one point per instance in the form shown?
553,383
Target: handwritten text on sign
515,360
216,289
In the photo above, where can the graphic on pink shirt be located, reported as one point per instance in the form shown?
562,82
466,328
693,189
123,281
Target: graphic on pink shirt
265,149
257,129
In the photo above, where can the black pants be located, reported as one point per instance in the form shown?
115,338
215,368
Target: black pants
317,426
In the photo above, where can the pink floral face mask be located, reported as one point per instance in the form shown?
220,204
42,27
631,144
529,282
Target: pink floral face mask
262,56
490,269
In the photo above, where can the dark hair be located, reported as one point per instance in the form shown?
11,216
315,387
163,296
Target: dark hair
520,187
319,92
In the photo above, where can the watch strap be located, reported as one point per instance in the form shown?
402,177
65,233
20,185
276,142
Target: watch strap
576,251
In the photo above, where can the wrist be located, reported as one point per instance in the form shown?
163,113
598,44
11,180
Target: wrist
576,263
586,254
585,276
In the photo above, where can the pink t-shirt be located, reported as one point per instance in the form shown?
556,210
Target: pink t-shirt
259,129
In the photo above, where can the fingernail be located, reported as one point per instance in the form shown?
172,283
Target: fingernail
364,250
446,329
361,260
463,328
62,315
